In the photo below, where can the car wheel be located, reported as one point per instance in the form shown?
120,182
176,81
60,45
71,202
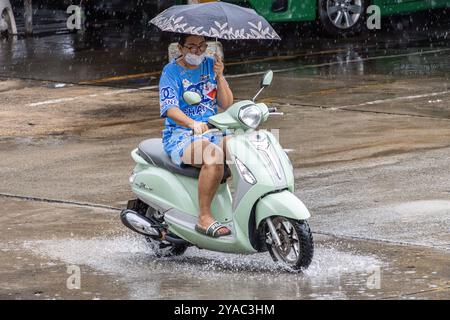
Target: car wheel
342,17
7,22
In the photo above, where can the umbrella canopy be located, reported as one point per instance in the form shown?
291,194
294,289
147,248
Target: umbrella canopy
216,20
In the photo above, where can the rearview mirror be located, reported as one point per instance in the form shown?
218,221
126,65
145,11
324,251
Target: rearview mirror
267,79
265,82
191,97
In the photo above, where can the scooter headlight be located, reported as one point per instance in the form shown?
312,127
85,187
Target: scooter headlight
246,174
250,116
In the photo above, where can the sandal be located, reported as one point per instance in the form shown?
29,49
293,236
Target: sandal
211,231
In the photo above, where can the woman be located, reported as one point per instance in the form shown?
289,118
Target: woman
194,71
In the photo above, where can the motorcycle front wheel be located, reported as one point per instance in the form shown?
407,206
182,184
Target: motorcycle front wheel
297,246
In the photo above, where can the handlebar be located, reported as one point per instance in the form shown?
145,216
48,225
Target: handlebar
211,127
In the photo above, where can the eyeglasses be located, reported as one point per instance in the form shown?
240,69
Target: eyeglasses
193,48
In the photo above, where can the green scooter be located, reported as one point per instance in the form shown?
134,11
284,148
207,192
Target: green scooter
262,212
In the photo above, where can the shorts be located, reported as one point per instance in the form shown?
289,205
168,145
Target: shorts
179,141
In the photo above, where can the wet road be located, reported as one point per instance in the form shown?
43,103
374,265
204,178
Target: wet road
367,127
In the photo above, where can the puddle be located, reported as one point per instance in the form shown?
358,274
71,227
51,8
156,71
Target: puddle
195,274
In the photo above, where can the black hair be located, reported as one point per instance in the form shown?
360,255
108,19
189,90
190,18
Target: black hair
183,37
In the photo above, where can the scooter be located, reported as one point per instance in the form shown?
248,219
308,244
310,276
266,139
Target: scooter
262,213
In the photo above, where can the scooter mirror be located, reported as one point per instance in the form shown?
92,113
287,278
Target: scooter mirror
267,79
191,97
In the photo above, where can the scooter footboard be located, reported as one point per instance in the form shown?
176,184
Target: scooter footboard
283,203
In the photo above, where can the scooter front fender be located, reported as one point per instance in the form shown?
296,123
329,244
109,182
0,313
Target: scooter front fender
283,203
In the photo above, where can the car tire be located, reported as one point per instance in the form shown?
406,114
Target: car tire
7,21
342,18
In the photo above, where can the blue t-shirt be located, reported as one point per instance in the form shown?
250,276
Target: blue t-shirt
175,80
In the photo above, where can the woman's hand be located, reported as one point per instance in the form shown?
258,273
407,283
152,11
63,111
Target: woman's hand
218,66
198,127
224,94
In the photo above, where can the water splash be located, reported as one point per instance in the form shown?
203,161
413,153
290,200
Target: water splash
130,259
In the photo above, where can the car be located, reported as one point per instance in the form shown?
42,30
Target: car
336,17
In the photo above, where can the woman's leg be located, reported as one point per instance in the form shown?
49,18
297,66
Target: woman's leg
223,146
209,157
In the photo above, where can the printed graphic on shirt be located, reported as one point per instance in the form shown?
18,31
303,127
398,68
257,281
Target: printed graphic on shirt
168,97
196,110
207,91
167,93
210,90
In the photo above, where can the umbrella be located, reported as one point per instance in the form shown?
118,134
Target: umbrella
216,20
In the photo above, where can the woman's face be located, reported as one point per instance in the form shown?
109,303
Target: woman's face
193,44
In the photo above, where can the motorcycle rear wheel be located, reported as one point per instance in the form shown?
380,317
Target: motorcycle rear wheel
162,249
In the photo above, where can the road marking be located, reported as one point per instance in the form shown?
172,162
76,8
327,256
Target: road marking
432,94
290,57
51,102
249,75
337,62
154,73
126,77
110,93
317,106
395,242
68,202
438,289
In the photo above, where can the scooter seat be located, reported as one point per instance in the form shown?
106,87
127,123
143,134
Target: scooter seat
153,152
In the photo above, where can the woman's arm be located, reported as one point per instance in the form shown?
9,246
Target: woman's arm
169,105
224,95
183,120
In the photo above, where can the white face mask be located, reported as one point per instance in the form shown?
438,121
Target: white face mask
194,59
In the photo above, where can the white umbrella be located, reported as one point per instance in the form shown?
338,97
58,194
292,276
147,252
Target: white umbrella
216,20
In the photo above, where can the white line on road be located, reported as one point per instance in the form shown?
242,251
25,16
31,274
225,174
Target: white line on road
109,93
432,94
337,62
52,101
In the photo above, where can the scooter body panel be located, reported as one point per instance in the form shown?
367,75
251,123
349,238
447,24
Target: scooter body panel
282,203
184,226
271,171
176,196
157,187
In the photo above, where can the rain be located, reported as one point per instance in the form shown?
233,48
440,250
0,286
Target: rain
358,99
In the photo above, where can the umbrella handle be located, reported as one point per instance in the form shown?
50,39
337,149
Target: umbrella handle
215,51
